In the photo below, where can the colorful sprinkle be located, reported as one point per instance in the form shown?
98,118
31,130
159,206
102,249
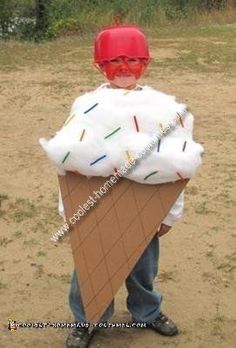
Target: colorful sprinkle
64,159
76,172
180,176
98,159
153,173
126,92
116,130
180,120
128,156
69,119
184,146
158,145
82,135
136,123
161,127
92,107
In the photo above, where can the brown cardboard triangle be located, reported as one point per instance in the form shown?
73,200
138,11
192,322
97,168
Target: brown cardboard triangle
110,238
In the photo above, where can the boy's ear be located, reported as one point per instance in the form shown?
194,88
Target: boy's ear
146,61
100,67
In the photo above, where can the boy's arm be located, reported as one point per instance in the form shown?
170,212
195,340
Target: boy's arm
61,210
175,212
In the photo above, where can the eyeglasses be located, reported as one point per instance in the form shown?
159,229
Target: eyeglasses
121,60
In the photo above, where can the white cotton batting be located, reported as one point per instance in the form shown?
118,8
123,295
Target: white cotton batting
110,127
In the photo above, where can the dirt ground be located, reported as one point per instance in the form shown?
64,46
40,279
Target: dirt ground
198,257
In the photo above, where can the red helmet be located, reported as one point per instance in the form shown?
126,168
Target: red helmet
120,40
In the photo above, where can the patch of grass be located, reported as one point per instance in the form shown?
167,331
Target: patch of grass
201,208
218,321
3,197
3,285
2,213
226,198
210,50
207,49
65,278
39,271
30,242
18,234
57,85
41,227
41,253
230,177
15,56
229,265
165,276
192,190
209,277
215,229
232,257
4,241
22,209
210,253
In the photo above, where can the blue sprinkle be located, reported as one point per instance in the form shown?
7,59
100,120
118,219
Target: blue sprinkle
158,145
98,159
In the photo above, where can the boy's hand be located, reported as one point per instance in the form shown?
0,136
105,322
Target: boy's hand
163,230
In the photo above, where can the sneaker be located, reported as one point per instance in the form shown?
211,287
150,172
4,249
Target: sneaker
79,338
163,325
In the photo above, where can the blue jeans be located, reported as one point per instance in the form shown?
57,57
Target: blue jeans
143,302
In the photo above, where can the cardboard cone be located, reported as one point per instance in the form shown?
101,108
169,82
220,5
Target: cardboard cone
110,238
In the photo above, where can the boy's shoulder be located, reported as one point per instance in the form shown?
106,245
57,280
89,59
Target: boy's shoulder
89,95
105,87
82,99
139,98
159,94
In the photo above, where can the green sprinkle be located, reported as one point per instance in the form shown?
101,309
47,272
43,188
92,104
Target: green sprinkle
69,119
146,177
116,130
65,157
92,107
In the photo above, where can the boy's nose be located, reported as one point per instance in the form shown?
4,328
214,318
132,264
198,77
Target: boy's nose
124,67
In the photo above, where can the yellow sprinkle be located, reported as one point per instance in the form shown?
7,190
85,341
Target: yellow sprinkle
161,127
69,119
126,92
128,156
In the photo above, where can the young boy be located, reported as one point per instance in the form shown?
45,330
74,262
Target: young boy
122,55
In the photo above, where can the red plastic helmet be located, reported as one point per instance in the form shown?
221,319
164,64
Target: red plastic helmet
120,40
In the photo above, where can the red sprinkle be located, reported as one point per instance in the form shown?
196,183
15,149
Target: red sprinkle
82,135
136,123
180,120
180,176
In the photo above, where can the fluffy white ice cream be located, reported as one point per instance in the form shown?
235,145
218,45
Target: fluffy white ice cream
108,127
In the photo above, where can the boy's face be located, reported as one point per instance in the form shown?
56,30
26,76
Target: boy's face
123,72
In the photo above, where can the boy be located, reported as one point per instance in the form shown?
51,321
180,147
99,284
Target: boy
122,55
